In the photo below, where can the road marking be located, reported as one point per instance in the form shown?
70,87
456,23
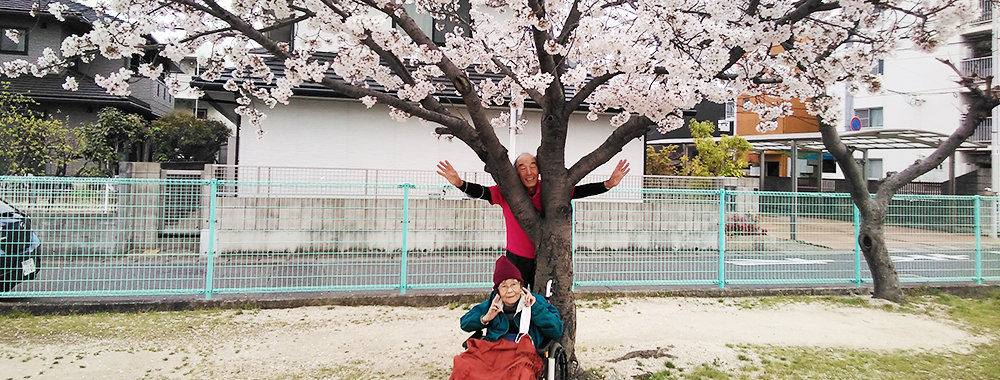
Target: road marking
788,261
895,259
930,257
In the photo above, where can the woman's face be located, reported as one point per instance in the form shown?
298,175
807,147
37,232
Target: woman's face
510,291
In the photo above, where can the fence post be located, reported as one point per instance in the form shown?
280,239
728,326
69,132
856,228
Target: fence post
572,249
722,238
210,252
406,223
857,245
977,214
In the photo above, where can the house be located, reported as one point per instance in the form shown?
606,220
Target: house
149,97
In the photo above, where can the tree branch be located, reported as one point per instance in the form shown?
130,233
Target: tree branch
572,22
545,61
634,128
585,91
845,158
534,94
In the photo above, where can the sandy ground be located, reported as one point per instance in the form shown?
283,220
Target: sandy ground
379,342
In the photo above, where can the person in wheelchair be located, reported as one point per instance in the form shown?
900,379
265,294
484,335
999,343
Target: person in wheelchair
516,322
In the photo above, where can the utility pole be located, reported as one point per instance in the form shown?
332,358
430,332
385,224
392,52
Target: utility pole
995,116
515,114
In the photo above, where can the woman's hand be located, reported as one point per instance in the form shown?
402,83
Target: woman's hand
495,308
529,299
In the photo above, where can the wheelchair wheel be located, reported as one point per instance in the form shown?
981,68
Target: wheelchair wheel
557,364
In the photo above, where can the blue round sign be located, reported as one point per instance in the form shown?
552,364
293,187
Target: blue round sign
855,124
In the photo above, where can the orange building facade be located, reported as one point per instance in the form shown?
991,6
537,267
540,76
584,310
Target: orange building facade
775,163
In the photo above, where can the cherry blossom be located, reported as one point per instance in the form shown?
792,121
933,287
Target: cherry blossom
70,84
57,9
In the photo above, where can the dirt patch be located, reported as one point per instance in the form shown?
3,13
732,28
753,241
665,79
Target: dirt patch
383,342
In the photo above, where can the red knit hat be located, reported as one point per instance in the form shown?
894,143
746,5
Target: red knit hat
505,270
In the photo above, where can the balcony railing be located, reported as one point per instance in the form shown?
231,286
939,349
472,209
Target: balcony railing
980,67
985,12
983,131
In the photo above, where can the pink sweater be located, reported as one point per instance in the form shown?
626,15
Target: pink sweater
518,242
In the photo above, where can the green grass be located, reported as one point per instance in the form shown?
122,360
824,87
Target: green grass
594,302
350,371
982,315
703,372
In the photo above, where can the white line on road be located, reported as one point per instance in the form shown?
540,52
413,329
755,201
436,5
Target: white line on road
788,261
930,257
895,259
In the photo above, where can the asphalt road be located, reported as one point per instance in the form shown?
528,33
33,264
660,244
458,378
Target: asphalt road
171,274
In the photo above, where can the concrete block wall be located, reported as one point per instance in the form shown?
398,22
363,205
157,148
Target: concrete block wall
247,224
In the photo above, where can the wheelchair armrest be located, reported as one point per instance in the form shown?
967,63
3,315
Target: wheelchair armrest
549,347
478,334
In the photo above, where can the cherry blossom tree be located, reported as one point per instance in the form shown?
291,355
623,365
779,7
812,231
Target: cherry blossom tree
640,61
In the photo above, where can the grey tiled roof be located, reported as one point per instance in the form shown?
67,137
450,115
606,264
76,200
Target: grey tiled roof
49,89
76,10
446,90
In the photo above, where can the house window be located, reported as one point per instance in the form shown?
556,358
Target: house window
731,109
448,25
879,67
725,125
9,45
874,168
870,117
284,34
438,28
201,113
829,166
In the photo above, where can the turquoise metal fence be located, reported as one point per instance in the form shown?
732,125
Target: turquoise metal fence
134,237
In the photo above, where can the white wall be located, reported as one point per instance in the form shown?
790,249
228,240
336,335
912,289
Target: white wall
311,132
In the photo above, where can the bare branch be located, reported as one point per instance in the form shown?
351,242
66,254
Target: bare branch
634,128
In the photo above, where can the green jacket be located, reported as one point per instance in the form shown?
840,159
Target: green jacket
545,322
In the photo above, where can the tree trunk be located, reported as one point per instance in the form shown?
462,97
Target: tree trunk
872,241
555,262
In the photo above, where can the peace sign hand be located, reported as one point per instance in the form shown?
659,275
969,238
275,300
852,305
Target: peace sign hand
495,308
529,299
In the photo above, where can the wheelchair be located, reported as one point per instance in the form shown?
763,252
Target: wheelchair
553,355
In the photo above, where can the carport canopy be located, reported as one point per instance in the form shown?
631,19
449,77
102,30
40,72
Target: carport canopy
859,140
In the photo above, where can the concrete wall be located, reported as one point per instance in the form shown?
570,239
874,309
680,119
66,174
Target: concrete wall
339,225
78,234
